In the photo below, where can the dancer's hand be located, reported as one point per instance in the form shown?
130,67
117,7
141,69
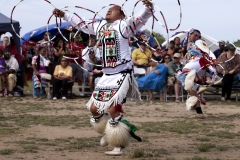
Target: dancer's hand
147,3
58,13
232,71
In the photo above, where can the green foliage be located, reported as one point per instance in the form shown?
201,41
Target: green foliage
222,148
200,158
158,36
6,151
147,153
30,149
223,134
206,147
237,43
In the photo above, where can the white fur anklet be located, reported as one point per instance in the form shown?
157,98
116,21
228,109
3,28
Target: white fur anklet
99,122
118,136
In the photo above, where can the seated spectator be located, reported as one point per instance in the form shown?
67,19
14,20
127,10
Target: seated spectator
141,56
2,69
9,78
5,43
174,68
60,50
39,65
62,74
21,58
219,51
177,42
231,67
91,43
157,55
76,52
171,48
93,70
154,80
30,49
49,50
182,58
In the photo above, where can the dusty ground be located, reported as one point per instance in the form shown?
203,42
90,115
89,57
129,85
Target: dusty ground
60,130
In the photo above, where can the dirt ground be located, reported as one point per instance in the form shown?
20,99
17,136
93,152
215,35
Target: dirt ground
60,130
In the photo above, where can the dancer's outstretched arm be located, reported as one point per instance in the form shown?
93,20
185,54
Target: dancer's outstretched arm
74,21
144,15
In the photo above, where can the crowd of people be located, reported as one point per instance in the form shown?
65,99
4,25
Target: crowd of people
176,57
57,63
162,65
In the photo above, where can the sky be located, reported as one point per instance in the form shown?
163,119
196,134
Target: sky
216,18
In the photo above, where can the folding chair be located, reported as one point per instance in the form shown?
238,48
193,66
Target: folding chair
181,95
140,72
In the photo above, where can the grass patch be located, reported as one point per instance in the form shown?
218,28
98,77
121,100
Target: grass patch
30,149
27,120
179,127
6,152
25,142
8,131
206,147
80,143
37,139
197,158
222,134
62,140
137,153
238,147
222,148
140,153
5,125
203,139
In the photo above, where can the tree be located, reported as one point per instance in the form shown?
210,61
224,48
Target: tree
237,43
158,36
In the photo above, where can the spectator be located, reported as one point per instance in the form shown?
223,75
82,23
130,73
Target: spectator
155,79
231,68
76,52
62,74
133,44
39,64
9,78
174,68
49,50
2,69
171,48
5,43
177,42
219,51
30,49
141,56
91,43
20,57
60,50
182,59
94,71
157,55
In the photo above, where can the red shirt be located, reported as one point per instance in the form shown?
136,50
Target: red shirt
2,47
14,52
76,51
